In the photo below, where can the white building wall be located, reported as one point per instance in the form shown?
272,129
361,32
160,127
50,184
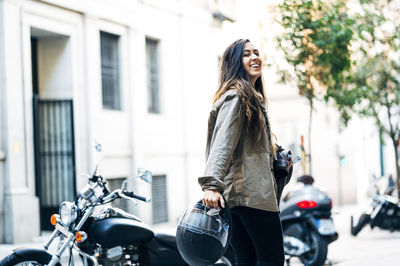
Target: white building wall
19,200
69,67
200,53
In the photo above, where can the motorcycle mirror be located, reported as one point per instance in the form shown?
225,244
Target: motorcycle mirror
98,148
145,175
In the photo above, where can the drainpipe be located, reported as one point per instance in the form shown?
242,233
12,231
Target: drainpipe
3,134
2,178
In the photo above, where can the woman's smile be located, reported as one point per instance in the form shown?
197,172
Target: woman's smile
251,62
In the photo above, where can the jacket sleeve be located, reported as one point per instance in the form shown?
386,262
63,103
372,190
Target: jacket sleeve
227,131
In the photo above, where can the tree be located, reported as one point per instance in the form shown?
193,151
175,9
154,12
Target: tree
372,87
315,41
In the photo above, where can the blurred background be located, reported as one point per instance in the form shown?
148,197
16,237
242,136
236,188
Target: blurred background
138,76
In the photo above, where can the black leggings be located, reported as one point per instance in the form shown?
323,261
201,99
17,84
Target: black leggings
257,237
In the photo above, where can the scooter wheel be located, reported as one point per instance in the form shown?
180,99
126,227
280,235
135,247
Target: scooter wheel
319,250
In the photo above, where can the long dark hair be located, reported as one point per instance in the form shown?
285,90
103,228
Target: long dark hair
232,75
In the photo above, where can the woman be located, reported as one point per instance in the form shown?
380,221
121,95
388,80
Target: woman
240,156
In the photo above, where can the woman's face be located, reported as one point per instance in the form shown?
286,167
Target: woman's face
251,62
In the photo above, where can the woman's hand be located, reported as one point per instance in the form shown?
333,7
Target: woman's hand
211,199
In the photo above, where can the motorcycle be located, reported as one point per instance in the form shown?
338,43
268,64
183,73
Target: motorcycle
103,235
307,225
383,210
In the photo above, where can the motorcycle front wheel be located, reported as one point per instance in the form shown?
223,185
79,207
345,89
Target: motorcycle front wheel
318,252
14,259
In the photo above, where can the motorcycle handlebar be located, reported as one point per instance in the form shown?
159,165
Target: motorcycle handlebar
133,195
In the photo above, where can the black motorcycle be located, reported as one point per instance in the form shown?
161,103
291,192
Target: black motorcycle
383,210
103,235
307,225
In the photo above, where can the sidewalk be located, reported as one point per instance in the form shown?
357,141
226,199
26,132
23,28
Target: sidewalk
371,247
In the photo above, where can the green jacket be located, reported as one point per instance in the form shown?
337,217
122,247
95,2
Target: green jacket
237,166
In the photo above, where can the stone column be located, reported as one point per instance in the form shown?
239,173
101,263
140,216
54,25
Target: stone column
19,211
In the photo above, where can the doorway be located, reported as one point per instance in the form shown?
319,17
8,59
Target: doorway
53,122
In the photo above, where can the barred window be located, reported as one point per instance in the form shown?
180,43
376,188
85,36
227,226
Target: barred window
110,84
153,92
159,199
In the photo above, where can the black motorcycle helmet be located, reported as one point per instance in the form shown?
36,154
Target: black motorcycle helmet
203,234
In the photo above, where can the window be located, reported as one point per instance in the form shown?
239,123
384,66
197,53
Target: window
110,71
159,199
115,183
153,92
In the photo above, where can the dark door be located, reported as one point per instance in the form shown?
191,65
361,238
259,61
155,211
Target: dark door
54,156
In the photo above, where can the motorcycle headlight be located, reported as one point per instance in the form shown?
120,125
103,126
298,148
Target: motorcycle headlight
68,213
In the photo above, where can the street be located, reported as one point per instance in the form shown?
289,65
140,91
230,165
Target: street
369,248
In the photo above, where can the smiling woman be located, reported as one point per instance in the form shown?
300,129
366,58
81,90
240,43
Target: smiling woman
240,153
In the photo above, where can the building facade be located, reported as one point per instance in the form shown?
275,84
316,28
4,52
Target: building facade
138,77
130,75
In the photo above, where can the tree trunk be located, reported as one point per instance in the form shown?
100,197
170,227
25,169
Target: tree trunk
396,156
309,137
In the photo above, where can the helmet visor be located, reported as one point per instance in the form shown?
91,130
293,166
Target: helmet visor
203,220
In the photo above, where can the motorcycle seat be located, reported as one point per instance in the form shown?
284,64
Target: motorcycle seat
168,240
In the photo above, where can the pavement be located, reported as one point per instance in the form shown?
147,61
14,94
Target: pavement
369,248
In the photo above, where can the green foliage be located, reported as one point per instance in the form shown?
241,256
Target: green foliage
352,59
315,42
372,87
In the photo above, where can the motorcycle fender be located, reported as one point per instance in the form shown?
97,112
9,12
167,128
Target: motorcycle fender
40,254
310,220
